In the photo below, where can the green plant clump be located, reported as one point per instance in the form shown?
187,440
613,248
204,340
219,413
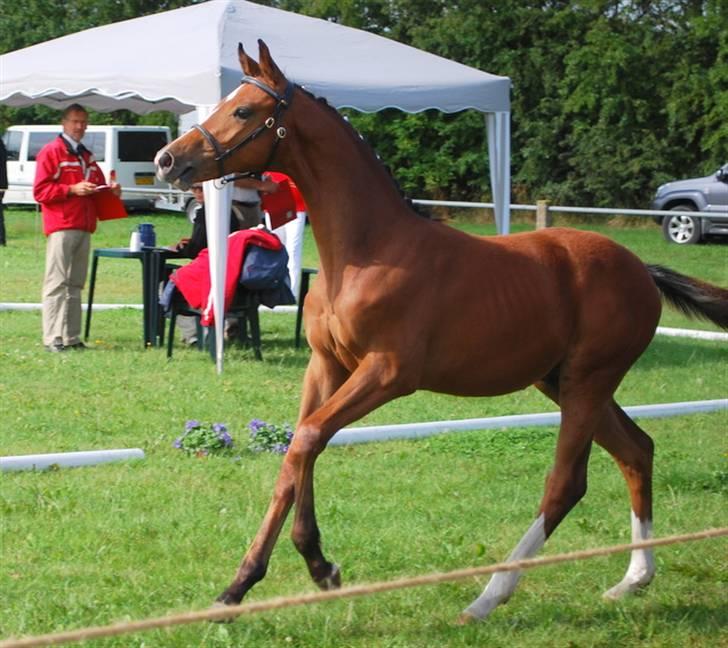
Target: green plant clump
201,440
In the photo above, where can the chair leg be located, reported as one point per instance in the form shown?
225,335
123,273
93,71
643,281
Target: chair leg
255,330
243,338
160,328
303,291
170,338
210,340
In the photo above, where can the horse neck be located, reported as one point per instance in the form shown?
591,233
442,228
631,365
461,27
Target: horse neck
352,201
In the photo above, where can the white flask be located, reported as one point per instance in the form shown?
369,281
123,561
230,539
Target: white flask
135,242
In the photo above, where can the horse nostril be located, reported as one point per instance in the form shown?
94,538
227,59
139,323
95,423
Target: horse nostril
165,161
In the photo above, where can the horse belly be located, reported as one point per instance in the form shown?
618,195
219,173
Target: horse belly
495,358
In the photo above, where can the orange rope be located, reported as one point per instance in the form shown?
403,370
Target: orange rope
227,613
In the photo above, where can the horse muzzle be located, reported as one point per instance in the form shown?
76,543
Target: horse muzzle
183,162
170,168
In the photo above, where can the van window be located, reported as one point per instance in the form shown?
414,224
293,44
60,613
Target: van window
12,141
96,143
140,146
36,142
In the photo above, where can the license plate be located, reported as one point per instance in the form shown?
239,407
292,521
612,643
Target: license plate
144,180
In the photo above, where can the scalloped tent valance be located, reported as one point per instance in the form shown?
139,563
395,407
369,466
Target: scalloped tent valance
180,59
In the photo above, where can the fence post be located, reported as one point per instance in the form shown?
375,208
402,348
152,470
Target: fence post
543,215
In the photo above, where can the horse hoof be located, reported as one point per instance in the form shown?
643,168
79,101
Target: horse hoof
332,581
466,619
218,605
621,590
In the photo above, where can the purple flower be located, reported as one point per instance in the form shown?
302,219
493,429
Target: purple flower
225,438
219,427
177,443
192,424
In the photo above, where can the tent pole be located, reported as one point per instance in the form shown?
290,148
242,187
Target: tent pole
498,126
217,220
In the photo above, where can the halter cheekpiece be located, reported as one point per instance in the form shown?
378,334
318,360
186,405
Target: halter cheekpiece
282,102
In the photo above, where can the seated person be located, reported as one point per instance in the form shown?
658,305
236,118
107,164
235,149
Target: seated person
190,247
257,274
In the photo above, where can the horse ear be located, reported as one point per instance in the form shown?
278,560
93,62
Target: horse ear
250,66
267,64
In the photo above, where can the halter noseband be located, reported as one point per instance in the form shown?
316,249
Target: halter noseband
282,102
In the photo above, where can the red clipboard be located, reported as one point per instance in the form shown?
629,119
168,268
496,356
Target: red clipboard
280,205
108,205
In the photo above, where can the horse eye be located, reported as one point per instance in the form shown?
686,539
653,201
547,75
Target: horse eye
242,113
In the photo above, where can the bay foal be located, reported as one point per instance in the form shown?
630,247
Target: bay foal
402,303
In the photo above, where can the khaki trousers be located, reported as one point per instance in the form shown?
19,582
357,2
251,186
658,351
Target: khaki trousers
65,274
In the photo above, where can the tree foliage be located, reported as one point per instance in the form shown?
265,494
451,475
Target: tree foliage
609,97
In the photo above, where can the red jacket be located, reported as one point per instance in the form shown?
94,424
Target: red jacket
193,280
57,168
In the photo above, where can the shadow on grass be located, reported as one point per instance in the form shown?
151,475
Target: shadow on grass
647,620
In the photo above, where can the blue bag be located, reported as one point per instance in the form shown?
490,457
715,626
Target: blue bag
264,269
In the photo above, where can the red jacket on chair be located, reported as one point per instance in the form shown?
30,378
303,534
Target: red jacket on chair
57,168
193,280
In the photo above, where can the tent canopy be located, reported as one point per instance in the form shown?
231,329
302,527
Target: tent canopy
187,59
178,60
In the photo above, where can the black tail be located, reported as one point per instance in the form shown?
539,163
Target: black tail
693,297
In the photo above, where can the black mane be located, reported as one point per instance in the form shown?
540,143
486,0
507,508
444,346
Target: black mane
408,201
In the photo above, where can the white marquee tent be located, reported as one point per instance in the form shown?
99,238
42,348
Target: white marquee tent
186,59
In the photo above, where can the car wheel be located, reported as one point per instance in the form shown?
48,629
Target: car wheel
190,209
681,229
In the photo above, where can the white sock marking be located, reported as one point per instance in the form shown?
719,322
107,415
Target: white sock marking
641,564
501,585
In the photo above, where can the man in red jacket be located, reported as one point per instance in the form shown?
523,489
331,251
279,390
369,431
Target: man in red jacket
66,178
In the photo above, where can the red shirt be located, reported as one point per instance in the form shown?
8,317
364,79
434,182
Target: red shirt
280,177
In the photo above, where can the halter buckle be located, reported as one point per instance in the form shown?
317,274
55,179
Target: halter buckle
270,122
281,132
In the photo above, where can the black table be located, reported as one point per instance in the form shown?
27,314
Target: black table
153,261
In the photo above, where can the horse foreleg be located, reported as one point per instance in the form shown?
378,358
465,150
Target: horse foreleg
365,390
565,486
321,380
255,563
633,450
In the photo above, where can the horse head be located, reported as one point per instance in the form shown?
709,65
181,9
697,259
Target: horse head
242,133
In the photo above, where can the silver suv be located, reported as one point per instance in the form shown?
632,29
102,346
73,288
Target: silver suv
709,194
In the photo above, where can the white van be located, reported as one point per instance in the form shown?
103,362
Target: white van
128,150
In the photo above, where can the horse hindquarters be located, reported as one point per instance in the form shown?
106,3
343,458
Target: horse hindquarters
616,322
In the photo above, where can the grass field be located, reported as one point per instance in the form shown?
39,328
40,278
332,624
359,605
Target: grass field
139,539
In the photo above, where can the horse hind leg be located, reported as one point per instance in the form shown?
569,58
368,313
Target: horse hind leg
633,451
565,486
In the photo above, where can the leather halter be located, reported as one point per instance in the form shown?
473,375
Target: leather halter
282,102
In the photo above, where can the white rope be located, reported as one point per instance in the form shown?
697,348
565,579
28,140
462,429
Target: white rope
227,613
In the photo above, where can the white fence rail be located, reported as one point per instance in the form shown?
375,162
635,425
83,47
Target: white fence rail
563,209
178,197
